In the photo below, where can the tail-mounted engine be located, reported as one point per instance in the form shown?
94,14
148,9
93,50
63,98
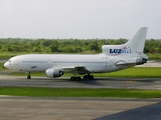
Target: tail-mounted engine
51,72
140,60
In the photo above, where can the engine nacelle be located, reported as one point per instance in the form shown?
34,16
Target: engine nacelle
51,72
140,60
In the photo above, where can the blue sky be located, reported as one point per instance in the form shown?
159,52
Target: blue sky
80,19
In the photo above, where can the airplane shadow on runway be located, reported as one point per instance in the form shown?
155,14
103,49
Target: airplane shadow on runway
98,82
97,79
61,80
150,112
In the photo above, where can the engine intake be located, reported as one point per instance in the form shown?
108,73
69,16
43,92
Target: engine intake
54,73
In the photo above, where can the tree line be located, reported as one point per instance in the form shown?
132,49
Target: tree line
67,45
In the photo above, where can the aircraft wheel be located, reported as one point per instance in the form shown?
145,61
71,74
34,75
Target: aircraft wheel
28,77
85,77
91,77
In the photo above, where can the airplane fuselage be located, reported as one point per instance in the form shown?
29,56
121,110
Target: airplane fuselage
113,58
41,62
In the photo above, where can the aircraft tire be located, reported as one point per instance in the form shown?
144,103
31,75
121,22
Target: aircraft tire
88,77
91,77
28,77
85,77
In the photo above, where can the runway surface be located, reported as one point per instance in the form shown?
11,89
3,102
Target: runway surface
138,83
25,108
30,108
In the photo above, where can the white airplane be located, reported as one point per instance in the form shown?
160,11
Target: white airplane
113,58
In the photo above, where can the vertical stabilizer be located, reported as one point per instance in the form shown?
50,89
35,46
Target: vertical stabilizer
137,42
133,46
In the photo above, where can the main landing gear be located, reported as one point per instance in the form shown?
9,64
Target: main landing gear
85,77
28,75
88,76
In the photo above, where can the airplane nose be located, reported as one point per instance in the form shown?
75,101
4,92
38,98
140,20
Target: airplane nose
5,65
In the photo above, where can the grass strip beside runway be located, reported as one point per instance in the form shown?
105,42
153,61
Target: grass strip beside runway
79,92
1,66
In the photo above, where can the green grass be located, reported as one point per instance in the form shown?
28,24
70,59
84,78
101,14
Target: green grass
7,55
141,72
79,92
1,66
154,56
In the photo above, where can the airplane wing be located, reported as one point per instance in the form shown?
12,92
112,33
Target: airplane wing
79,69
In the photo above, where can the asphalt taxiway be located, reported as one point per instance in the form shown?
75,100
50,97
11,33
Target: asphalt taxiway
25,108
64,82
30,108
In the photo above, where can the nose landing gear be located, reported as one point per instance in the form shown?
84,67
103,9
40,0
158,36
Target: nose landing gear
28,75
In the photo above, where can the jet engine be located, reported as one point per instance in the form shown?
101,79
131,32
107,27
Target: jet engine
140,60
51,72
